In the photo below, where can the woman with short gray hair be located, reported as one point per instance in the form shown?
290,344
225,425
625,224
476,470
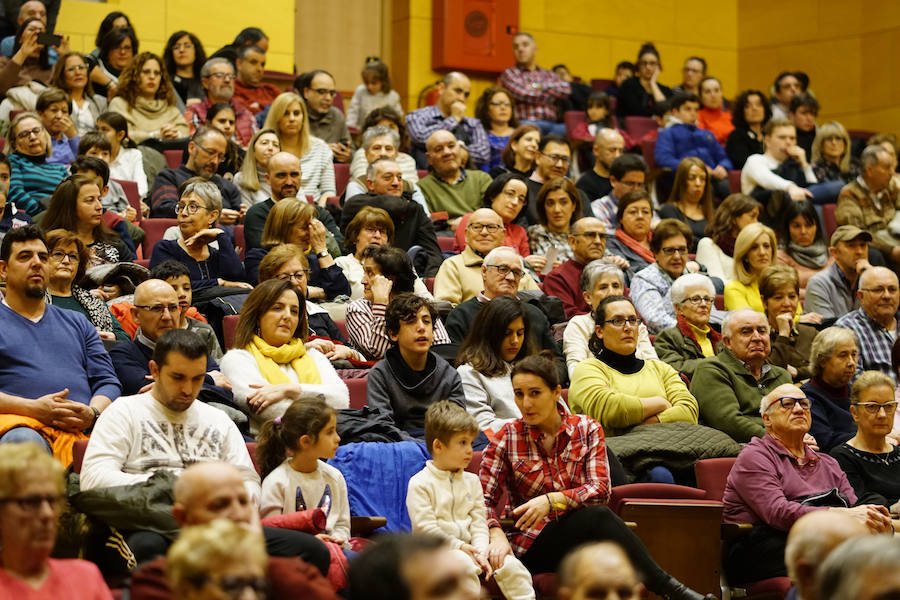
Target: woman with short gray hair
832,360
364,154
692,339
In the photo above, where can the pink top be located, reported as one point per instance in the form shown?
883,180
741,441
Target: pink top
803,273
516,236
72,579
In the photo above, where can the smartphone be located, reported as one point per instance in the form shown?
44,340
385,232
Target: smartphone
49,39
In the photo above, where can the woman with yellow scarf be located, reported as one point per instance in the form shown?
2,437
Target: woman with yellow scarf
270,367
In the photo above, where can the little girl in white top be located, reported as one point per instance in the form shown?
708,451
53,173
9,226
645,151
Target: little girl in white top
301,482
374,93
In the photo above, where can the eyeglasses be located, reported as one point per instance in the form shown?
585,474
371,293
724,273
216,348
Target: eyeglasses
873,407
297,276
670,250
788,403
158,309
323,92
183,46
648,63
128,48
153,72
33,503
75,68
59,256
555,158
223,76
28,133
591,235
634,185
479,227
192,207
619,322
499,103
834,138
879,291
233,585
373,229
698,300
503,271
220,156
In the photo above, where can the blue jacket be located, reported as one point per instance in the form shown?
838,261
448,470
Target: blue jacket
679,141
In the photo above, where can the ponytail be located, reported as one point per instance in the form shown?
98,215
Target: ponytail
277,436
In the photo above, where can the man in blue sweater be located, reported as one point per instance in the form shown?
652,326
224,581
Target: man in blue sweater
55,374
682,138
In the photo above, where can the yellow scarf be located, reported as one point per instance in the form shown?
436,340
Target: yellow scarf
268,358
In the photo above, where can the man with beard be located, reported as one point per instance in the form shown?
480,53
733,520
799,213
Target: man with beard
217,77
55,375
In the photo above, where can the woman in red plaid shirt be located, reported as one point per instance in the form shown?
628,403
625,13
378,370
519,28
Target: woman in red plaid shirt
553,466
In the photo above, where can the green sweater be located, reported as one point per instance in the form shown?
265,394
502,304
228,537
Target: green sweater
614,398
729,394
457,199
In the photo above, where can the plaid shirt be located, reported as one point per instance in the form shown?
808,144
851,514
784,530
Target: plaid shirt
536,92
420,124
244,125
875,342
516,464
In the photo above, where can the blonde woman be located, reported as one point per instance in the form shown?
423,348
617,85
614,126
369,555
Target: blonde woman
831,159
251,179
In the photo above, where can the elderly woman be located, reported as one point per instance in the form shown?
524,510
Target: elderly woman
520,151
293,221
691,199
870,460
558,207
832,359
269,366
779,289
75,206
507,195
691,340
558,502
32,491
251,179
803,244
385,117
716,250
776,480
222,559
53,107
496,109
198,213
632,238
599,280
68,261
831,159
371,225
33,179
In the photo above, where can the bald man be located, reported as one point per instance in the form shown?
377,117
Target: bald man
215,490
156,311
875,321
608,146
449,114
810,541
597,570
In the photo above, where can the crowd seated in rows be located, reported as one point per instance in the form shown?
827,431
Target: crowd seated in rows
691,339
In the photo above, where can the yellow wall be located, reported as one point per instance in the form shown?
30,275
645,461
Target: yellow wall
215,23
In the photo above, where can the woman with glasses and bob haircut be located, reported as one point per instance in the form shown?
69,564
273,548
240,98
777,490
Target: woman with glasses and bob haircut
32,178
31,500
691,339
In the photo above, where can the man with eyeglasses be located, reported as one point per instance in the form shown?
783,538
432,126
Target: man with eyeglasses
460,276
217,77
249,87
55,375
205,151
156,311
450,187
449,114
412,226
553,158
875,321
776,479
537,91
729,385
626,174
692,73
325,120
502,274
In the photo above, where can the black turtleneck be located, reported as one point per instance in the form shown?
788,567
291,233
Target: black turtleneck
625,364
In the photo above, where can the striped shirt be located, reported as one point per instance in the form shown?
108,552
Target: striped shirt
317,167
368,332
536,92
875,342
420,124
32,179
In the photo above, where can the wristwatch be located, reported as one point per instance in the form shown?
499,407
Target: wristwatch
322,254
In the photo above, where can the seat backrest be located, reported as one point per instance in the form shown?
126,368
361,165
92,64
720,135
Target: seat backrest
829,219
657,491
573,118
342,325
131,192
648,149
445,243
341,177
429,283
422,173
239,240
229,326
173,158
734,181
153,232
712,474
251,450
600,85
78,450
637,127
357,389
475,463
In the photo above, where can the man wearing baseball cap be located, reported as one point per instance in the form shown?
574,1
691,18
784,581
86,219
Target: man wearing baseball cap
832,291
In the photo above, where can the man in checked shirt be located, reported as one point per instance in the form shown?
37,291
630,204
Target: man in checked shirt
537,91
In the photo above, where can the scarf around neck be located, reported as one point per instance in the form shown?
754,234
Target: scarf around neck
635,245
269,358
814,256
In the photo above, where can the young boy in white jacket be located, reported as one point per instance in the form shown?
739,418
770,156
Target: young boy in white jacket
444,499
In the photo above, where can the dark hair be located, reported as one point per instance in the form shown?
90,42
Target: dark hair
782,75
183,341
553,139
205,130
895,354
625,64
130,80
508,156
114,39
4,160
58,77
807,210
377,573
44,56
482,346
483,105
669,228
232,150
93,139
119,124
626,163
379,70
659,109
732,207
304,80
394,264
169,53
403,308
20,234
63,211
307,416
495,188
106,25
558,183
385,113
804,99
648,48
216,108
443,420
740,105
681,181
261,300
367,215
629,199
541,364
243,51
64,236
602,99
169,269
52,96
679,100
700,60
595,344
249,36
90,163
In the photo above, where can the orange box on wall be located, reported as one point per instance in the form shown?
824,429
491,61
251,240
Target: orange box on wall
473,35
